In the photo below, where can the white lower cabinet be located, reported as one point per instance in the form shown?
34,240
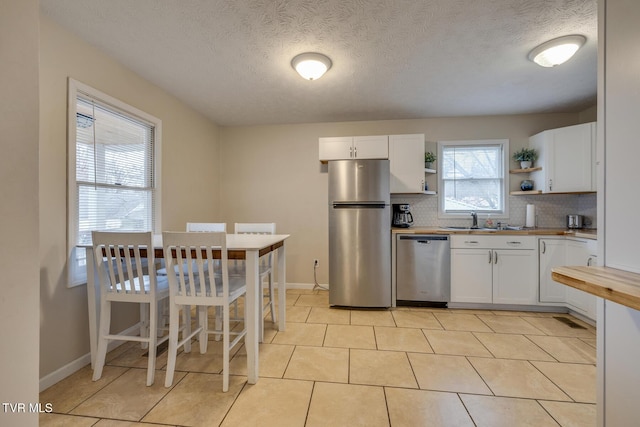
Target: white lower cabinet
493,269
552,253
581,252
471,275
514,276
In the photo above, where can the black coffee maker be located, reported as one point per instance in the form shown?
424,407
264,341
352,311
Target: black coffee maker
402,216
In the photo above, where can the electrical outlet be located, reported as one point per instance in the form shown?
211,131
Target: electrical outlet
316,263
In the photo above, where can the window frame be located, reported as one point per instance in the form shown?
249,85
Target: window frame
76,273
504,213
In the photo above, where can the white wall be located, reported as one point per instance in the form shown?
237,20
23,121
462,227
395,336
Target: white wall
619,95
272,173
19,320
190,184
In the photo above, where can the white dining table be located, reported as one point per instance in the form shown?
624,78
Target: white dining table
249,247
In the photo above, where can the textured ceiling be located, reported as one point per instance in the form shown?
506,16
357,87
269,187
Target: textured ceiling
392,59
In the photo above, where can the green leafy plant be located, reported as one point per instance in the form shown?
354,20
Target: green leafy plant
429,157
525,155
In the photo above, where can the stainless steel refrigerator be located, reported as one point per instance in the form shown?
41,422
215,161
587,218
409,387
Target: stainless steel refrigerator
359,233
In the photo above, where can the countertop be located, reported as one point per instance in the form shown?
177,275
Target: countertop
622,287
582,233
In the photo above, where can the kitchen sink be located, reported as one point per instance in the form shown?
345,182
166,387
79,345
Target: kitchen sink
453,228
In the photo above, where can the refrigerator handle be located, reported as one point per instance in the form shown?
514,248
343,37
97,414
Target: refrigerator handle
347,205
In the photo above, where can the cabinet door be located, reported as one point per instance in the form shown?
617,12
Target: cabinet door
406,159
552,254
572,150
577,254
371,147
514,277
336,148
471,275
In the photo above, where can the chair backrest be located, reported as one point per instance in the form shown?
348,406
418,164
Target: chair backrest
122,260
196,251
207,226
255,228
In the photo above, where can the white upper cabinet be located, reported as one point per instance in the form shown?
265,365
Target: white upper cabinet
568,157
406,159
354,147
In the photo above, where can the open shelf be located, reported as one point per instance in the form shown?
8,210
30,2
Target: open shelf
539,168
525,193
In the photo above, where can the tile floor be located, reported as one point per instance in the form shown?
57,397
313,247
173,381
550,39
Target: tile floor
337,367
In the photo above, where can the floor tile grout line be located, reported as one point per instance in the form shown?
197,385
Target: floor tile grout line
483,345
481,377
127,369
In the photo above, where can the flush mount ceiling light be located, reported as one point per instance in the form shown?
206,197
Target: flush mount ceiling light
556,51
311,66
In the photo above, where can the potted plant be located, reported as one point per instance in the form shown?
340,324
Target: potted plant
526,157
429,158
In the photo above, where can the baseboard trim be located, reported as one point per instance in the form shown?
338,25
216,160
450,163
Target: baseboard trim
302,285
82,361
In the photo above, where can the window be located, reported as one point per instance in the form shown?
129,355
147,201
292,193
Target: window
472,177
113,170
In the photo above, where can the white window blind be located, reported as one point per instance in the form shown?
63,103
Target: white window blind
473,176
114,177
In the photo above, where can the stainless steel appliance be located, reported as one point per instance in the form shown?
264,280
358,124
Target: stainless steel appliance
575,221
423,270
359,241
402,216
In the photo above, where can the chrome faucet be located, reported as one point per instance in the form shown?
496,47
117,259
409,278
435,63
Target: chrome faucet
474,216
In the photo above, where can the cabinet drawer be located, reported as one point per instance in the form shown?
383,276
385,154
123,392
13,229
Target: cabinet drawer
465,241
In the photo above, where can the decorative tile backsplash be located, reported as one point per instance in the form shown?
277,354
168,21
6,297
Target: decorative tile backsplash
551,210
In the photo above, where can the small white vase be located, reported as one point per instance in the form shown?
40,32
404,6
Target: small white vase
525,164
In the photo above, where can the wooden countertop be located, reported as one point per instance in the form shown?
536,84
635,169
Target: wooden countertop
582,233
622,287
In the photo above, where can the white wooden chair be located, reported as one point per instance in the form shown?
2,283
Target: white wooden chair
126,276
266,265
210,287
207,226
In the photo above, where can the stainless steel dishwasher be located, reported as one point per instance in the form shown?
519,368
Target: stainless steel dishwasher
423,270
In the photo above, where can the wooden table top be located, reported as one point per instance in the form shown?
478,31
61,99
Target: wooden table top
622,287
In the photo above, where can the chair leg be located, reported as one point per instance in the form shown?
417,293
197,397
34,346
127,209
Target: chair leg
105,324
225,348
260,314
172,353
203,319
218,325
163,309
186,329
144,324
272,299
153,340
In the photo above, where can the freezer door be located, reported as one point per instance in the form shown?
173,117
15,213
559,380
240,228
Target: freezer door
359,180
359,255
